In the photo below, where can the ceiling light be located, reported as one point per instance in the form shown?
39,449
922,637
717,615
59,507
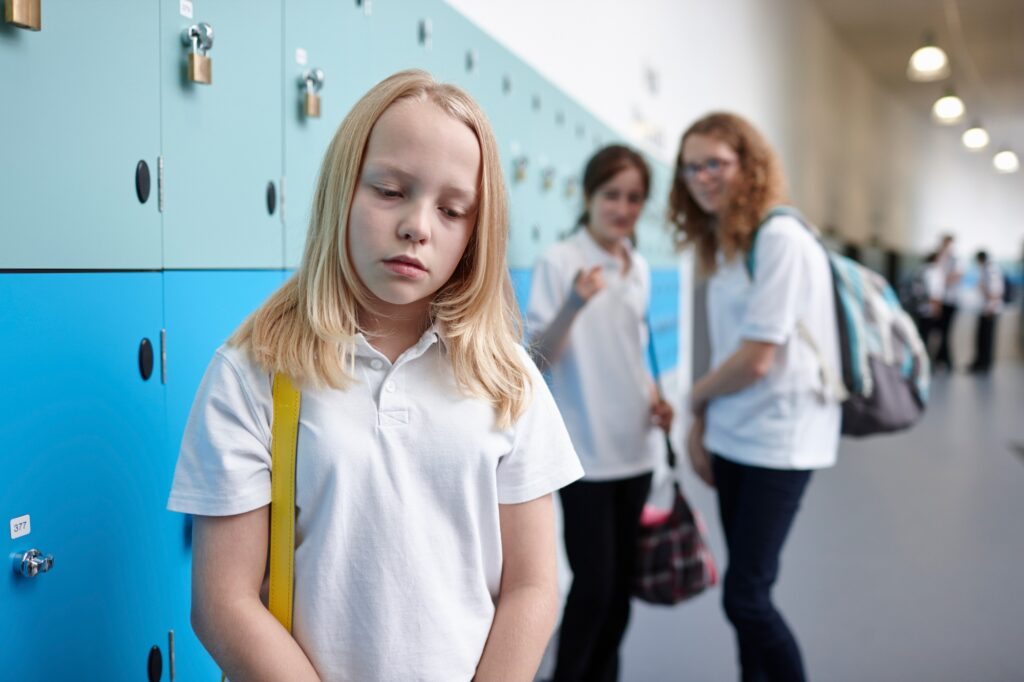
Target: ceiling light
1006,162
948,109
975,137
928,63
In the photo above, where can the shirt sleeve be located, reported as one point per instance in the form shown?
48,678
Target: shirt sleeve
773,307
542,458
548,292
224,462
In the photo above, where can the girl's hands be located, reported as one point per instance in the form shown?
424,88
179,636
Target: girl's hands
588,282
661,413
699,457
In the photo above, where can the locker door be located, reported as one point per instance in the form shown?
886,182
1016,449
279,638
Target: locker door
83,459
356,46
81,111
222,141
202,309
319,32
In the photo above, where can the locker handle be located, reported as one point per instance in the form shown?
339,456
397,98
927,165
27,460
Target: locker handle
32,563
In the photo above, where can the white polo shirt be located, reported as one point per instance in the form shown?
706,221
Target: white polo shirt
600,382
779,422
398,545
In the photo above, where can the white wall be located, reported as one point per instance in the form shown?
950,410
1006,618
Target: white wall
856,158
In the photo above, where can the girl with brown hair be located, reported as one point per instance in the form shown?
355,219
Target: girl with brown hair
760,422
586,320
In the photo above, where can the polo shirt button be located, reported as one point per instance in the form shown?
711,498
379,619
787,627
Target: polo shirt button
389,387
376,363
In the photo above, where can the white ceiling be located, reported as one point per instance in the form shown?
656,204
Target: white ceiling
983,38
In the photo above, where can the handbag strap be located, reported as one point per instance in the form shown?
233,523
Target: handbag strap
283,440
670,453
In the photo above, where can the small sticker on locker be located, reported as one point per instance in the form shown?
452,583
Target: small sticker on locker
301,58
185,8
20,527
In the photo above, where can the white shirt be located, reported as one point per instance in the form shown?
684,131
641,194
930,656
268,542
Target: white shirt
990,283
398,481
779,422
951,271
600,382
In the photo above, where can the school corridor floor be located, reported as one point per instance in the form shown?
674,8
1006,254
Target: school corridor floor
906,562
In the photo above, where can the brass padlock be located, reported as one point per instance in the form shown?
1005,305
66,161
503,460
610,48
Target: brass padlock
312,81
548,179
570,188
312,107
24,14
200,66
519,168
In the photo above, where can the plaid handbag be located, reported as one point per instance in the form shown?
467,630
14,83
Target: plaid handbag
673,560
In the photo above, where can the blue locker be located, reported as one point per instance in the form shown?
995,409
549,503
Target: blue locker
83,456
81,102
201,311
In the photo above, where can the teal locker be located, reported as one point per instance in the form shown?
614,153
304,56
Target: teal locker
83,437
356,46
222,142
81,103
321,33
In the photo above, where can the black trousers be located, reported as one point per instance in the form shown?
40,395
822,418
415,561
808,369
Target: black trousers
601,519
757,507
984,343
944,356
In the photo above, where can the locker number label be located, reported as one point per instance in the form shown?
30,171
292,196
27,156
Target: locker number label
185,8
20,527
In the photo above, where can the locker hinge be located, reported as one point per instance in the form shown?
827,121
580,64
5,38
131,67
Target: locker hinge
160,183
163,356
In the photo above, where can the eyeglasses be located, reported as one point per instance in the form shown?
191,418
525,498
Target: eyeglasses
714,167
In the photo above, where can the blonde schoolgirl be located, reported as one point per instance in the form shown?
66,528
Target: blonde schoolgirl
428,445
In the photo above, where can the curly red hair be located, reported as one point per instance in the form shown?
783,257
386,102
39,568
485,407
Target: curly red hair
761,185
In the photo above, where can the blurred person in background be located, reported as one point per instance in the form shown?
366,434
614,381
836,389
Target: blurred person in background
952,273
990,286
586,321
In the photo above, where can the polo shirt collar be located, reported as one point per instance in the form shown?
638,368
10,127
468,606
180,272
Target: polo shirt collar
433,334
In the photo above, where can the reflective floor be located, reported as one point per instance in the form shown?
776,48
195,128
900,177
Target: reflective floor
906,562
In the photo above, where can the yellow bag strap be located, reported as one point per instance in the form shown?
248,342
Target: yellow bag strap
284,434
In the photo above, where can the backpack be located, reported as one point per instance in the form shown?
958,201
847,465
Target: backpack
885,370
913,293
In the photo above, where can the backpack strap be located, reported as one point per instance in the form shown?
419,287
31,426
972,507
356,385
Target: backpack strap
831,384
775,212
283,441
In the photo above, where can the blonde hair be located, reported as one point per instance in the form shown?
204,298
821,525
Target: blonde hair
307,328
761,186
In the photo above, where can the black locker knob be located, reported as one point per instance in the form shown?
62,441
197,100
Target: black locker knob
271,198
155,665
142,181
146,359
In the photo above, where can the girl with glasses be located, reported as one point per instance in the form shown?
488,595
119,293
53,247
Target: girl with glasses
760,425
